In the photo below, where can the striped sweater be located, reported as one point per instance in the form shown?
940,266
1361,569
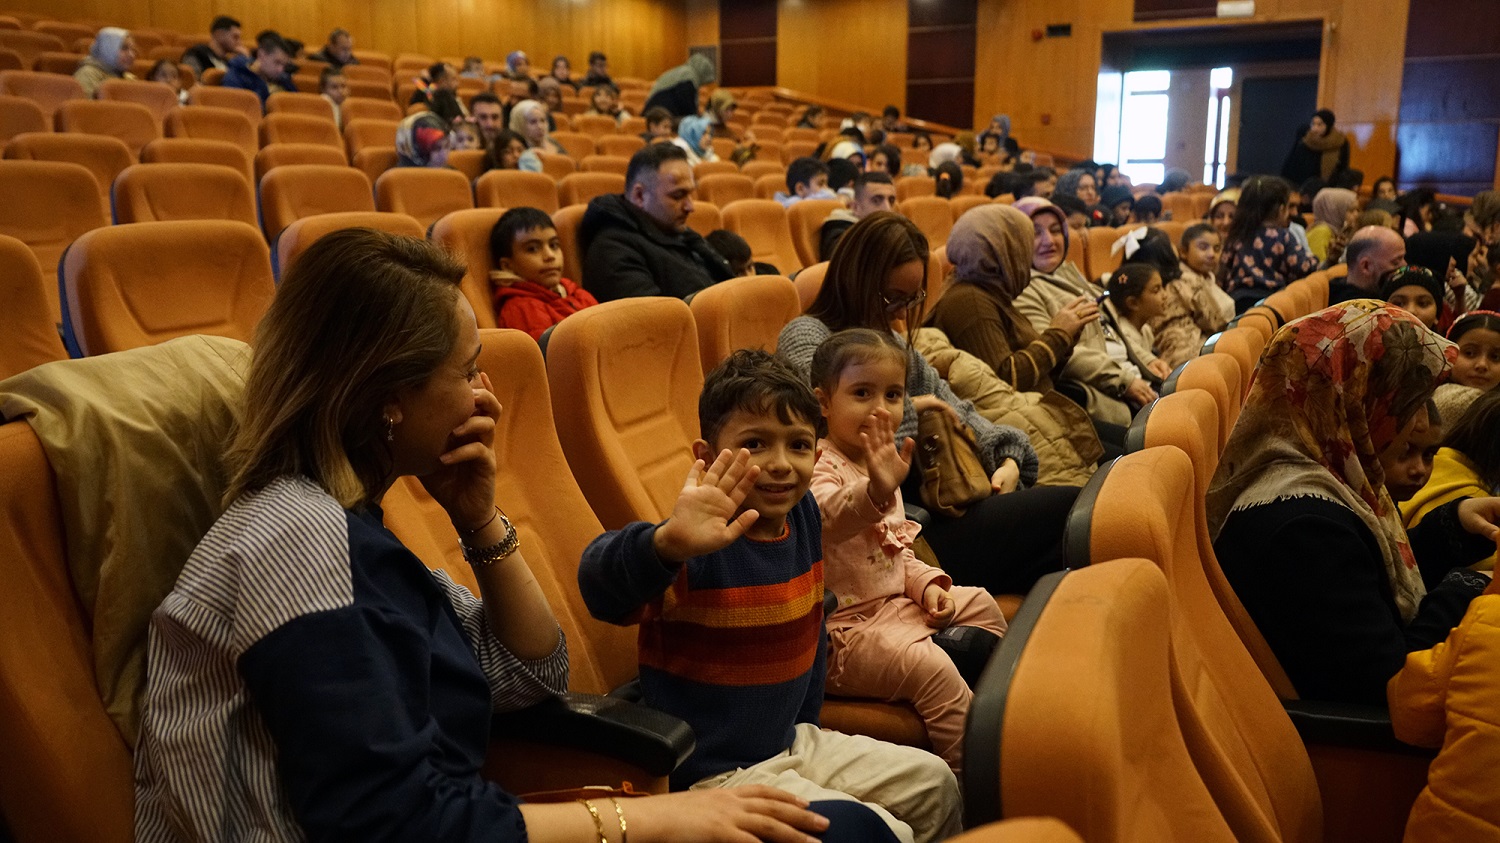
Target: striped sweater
731,642
309,678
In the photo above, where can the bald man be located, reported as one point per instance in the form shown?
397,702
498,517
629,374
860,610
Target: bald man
1373,251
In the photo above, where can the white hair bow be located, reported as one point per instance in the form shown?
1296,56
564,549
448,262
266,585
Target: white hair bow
1130,242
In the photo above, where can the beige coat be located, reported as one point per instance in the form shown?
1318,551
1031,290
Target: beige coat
1059,430
1090,365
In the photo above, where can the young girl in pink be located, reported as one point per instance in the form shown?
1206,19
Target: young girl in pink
889,603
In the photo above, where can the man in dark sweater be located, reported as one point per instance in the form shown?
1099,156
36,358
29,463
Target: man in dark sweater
638,243
267,74
339,50
223,45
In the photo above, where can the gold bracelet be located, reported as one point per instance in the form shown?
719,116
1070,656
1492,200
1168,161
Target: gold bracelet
598,821
483,557
620,813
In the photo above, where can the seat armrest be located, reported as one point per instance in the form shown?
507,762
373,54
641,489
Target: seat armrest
917,514
1366,727
657,743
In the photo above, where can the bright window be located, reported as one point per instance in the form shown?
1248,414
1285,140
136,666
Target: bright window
1130,122
1216,144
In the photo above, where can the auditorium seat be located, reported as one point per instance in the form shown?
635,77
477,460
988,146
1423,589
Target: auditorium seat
806,219
1241,740
932,215
756,169
1179,206
712,168
18,116
310,105
594,125
579,188
769,184
809,282
605,164
284,127
621,145
723,148
132,123
767,151
566,220
1188,420
373,161
801,135
1244,346
235,99
1264,320
11,60
158,97
62,63
1099,245
959,204
1219,376
120,293
105,157
26,321
1074,717
747,312
556,166
577,145
423,193
302,233
705,218
29,44
276,155
763,224
370,108
723,188
295,191
203,122
467,235
47,90
190,151
166,192
910,186
792,150
1023,830
516,189
66,31
470,162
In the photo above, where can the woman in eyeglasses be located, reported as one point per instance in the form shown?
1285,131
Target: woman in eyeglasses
877,279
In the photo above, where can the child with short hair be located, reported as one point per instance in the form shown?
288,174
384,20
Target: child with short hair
1196,307
733,248
728,592
890,604
806,178
659,126
1135,298
165,71
334,87
1147,210
465,135
1466,465
530,291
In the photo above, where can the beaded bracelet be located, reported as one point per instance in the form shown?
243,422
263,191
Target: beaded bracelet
598,821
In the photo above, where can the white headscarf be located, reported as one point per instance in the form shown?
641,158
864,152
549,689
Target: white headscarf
106,47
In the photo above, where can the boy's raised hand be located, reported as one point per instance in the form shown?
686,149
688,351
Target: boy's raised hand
886,465
704,520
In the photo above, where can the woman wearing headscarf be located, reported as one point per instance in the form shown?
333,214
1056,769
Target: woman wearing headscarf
944,153
1303,525
1320,152
695,137
528,120
1221,211
549,94
422,141
1000,128
110,57
677,89
1334,212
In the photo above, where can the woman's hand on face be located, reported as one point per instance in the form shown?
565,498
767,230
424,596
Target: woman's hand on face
731,815
1480,516
1006,478
920,403
1077,313
465,485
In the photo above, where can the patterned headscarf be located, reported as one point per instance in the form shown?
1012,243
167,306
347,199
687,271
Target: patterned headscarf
1332,391
417,137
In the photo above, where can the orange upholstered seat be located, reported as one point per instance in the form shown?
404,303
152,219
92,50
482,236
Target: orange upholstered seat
763,224
47,90
212,123
296,237
280,154
311,105
579,188
234,99
295,191
423,193
932,215
723,188
19,115
746,312
157,97
467,235
105,157
516,189
566,220
621,145
286,127
370,108
26,321
48,204
190,151
163,192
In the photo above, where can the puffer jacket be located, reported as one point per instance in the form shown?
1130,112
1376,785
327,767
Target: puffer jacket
1446,697
1090,366
1454,477
1059,429
625,254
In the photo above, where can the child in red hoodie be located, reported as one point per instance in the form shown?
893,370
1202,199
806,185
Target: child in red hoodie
530,292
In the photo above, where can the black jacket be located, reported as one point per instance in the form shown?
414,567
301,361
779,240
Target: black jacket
626,254
680,99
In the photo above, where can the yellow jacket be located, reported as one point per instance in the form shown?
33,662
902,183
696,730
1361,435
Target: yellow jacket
1448,696
1453,477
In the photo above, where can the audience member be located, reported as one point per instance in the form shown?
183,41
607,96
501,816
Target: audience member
1196,307
878,280
1320,151
1175,179
562,71
1482,219
1477,335
872,192
734,249
605,102
1334,210
518,67
464,135
1384,188
598,70
885,159
658,125
811,118
1467,465
1221,211
334,87
1136,297
890,120
422,141
530,292
756,720
441,93
1147,210
504,151
473,68
528,121
1416,209
1116,203
1303,525
1000,128
268,69
223,45
1414,290
110,57
1079,217
676,90
339,50
638,243
1260,255
695,137
806,178
1372,252
488,115
1446,255
165,71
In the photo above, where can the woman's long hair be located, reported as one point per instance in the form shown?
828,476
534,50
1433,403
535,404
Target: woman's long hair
851,293
359,317
1260,197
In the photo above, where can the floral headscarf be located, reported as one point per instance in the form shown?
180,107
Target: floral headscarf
417,137
1332,391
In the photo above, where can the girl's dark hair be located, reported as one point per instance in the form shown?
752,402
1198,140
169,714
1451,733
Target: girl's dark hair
1481,320
851,293
1260,198
892,155
1476,435
950,179
847,348
916,136
1156,250
1375,188
498,147
1194,231
1131,279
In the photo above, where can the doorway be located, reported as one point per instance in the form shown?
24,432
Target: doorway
1271,111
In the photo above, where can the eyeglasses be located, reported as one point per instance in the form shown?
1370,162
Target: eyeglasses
907,302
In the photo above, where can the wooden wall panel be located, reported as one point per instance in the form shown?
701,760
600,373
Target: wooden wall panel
641,37
702,22
1450,96
747,43
850,50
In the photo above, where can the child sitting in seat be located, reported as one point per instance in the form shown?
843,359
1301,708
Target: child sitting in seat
728,592
1195,307
733,248
1136,296
1467,465
659,126
530,293
806,178
1477,369
890,604
465,135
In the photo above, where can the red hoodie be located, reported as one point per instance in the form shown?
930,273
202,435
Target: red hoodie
532,308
